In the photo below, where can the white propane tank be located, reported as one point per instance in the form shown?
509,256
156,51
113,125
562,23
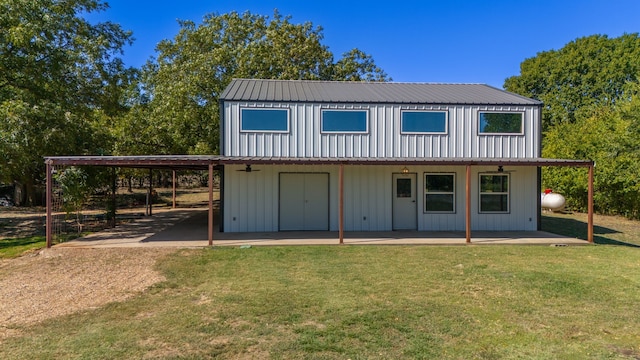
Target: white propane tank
552,201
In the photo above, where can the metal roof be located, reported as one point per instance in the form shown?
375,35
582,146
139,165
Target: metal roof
370,92
202,162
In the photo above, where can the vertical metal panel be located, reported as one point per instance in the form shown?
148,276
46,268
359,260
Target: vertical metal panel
291,201
511,146
367,201
523,193
442,222
252,198
383,139
316,205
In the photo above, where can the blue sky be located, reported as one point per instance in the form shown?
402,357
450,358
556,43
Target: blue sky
413,41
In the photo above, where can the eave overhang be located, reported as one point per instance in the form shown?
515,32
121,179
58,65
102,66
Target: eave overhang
202,162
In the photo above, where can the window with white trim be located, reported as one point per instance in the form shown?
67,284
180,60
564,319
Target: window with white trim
501,122
423,122
494,193
344,121
440,192
264,120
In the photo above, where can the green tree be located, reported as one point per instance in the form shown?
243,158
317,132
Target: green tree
590,71
609,135
184,84
75,188
60,84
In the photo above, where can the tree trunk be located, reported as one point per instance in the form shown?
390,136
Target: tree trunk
18,194
29,196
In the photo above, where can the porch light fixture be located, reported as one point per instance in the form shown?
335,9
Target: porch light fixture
405,170
500,169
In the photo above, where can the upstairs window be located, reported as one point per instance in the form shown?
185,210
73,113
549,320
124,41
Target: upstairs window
424,122
344,121
264,120
501,122
494,193
440,193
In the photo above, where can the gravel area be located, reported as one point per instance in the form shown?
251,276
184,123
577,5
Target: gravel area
60,281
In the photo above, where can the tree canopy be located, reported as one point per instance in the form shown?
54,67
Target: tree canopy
589,71
609,135
65,91
590,92
60,83
184,83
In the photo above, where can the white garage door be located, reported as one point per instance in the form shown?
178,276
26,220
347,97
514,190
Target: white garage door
304,201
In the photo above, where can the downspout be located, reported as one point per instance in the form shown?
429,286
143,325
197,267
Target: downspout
221,172
539,172
539,198
341,204
221,127
468,205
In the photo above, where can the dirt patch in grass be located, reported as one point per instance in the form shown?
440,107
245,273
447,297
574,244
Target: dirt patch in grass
60,281
48,283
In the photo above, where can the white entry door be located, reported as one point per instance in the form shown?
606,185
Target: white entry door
404,202
304,201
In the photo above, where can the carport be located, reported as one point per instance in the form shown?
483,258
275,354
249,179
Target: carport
213,163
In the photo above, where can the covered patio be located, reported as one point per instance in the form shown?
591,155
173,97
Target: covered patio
187,228
216,163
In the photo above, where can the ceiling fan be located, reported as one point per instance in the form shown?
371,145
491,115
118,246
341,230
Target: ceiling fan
248,169
500,170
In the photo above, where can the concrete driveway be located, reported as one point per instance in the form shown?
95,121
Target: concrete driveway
188,228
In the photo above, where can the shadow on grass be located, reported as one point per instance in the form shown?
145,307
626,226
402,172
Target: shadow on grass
578,229
9,243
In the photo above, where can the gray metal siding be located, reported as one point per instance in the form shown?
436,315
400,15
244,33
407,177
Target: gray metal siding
383,139
252,199
524,192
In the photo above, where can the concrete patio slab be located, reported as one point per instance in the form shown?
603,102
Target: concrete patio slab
187,228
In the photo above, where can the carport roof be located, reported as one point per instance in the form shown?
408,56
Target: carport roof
202,162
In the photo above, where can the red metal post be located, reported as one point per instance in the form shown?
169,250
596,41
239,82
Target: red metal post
341,204
150,192
590,206
468,205
49,221
174,189
210,204
114,203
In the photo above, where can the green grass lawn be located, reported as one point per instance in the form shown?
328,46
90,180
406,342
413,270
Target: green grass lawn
10,248
15,247
365,302
608,230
